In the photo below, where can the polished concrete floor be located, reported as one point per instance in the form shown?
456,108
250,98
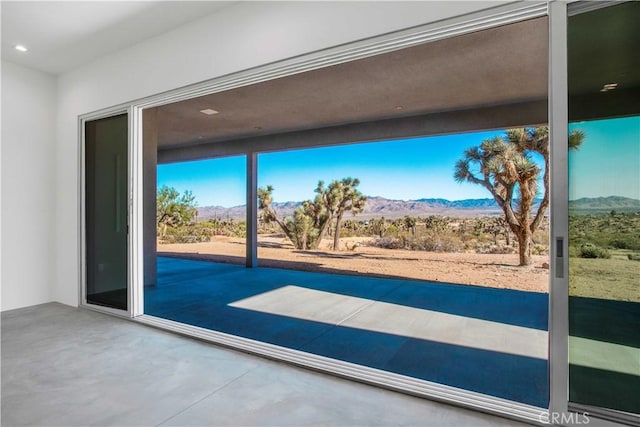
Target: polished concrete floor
491,341
64,366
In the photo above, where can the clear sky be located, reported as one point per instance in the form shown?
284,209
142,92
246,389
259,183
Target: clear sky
402,169
214,182
608,162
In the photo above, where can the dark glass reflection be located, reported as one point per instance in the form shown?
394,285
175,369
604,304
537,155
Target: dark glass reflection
106,211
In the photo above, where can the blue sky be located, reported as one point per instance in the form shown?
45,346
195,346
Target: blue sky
401,169
608,162
214,182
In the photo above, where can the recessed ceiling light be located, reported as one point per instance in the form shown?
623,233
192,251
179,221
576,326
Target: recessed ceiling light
20,48
209,112
399,107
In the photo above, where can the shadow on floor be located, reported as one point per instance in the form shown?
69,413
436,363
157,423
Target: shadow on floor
608,321
200,293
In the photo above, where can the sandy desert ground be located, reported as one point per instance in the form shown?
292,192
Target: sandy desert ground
357,257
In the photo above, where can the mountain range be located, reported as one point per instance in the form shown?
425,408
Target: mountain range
377,207
601,204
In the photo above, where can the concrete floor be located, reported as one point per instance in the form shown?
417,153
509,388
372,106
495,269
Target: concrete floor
63,366
491,341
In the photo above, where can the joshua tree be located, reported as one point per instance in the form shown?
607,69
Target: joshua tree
436,224
342,196
410,223
378,226
503,166
265,198
172,209
312,219
322,209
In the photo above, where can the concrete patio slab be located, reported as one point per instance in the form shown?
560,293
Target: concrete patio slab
487,340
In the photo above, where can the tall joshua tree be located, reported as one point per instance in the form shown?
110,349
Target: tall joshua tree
342,196
410,223
312,218
265,198
503,166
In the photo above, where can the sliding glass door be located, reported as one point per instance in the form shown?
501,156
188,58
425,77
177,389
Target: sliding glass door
106,213
604,211
452,337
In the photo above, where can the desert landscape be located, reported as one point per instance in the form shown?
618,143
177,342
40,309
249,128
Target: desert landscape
604,249
501,241
604,256
360,257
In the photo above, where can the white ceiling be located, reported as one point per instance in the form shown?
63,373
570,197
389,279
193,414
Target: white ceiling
62,35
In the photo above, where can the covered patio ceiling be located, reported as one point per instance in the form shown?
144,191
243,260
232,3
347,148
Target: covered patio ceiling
489,79
499,66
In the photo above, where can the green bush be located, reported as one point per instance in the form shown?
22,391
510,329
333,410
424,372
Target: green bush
619,244
629,241
191,233
225,227
538,249
589,250
633,257
423,243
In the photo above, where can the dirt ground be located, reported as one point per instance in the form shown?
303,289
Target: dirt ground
357,257
617,278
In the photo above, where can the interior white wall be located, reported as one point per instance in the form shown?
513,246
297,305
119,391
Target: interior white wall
28,185
239,37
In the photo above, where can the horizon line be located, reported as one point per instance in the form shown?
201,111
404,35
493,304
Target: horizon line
425,198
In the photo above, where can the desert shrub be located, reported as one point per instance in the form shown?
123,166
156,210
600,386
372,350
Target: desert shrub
346,232
392,230
485,248
443,243
619,244
191,233
226,227
589,250
537,249
619,231
628,241
633,257
437,243
352,228
574,251
388,243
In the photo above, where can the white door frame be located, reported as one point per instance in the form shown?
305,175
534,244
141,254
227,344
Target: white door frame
133,301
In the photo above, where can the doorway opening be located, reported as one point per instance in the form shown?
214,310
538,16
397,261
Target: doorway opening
401,140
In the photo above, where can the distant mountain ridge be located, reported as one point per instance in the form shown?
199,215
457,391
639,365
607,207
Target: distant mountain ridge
376,207
379,206
605,203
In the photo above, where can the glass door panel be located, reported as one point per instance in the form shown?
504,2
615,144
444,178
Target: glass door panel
604,210
106,160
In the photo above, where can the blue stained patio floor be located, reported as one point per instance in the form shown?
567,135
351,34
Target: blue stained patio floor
487,340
